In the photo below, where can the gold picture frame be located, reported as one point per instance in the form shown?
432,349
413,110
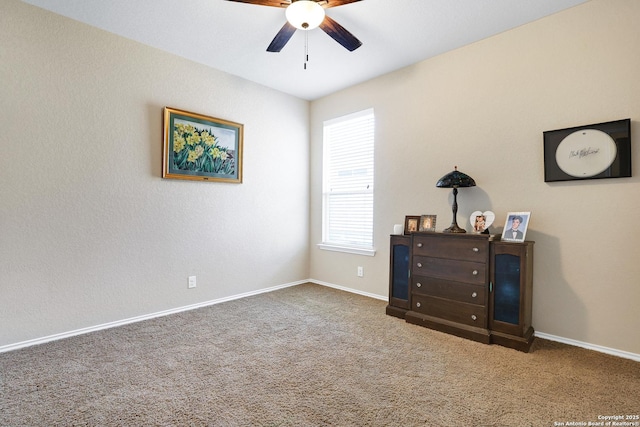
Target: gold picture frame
427,223
201,148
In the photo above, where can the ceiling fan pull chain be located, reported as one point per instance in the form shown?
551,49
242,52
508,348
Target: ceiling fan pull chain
306,49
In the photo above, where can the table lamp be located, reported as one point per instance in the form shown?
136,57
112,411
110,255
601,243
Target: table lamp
455,179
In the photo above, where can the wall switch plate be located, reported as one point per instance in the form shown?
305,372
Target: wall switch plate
192,282
360,272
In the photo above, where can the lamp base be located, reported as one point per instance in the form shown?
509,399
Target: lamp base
454,229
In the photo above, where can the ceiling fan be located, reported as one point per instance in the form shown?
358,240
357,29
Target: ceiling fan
307,15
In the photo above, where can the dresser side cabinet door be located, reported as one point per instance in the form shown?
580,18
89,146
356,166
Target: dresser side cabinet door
511,287
399,271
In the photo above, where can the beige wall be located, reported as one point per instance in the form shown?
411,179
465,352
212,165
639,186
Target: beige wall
89,231
484,108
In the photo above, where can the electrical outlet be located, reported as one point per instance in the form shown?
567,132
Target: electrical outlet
192,282
360,272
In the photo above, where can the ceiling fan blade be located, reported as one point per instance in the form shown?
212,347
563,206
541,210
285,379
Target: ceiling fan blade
274,3
333,3
281,38
340,34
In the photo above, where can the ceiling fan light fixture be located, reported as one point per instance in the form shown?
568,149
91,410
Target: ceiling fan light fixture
305,14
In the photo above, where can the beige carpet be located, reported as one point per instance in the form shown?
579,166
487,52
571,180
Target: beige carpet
305,356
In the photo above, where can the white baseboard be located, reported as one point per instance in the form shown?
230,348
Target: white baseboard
598,348
123,322
353,291
36,341
588,346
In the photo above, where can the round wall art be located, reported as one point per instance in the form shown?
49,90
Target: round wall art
586,153
600,150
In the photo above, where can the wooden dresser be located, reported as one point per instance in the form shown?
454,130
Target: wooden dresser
452,278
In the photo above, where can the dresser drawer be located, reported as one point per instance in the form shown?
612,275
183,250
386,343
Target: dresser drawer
463,292
468,248
459,312
449,269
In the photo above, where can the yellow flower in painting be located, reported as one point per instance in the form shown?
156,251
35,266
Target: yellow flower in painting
215,152
193,139
185,130
192,156
199,151
178,144
224,155
207,138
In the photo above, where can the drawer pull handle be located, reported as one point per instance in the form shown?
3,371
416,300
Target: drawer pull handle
473,317
419,284
475,272
476,250
473,295
419,245
418,304
419,265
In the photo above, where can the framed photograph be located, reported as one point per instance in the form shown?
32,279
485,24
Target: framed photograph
427,223
601,150
515,227
201,148
411,223
480,221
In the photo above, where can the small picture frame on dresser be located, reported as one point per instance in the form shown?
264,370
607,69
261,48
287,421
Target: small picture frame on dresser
515,227
411,223
481,221
427,223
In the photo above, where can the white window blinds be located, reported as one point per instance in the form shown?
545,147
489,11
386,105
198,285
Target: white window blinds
348,180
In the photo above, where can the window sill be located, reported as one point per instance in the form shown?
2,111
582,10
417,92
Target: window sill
347,249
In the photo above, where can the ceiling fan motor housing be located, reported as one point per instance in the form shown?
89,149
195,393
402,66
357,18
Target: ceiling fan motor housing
305,14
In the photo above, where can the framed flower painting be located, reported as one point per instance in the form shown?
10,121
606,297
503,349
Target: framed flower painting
201,148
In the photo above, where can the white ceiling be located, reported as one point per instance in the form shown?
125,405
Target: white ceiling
233,37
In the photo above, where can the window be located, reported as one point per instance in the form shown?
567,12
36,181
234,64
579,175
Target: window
348,183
